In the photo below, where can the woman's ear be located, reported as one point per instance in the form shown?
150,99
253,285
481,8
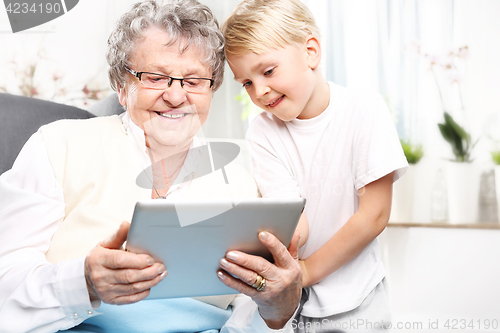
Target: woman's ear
122,95
313,49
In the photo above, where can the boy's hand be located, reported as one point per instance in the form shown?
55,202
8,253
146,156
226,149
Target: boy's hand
305,275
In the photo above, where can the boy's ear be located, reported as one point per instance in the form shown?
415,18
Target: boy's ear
313,49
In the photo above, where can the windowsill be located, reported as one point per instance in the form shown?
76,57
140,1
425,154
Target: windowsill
445,225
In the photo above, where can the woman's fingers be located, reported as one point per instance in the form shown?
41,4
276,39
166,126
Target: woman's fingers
118,259
116,240
237,284
282,258
129,293
120,277
259,265
279,299
113,284
128,275
248,276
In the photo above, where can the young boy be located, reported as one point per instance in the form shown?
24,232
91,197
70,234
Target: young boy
336,147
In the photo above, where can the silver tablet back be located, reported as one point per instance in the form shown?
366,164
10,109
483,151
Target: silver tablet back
190,237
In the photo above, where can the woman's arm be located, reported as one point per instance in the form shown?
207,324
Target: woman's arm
35,294
363,227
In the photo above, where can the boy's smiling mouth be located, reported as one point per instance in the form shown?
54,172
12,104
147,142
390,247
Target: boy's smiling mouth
276,101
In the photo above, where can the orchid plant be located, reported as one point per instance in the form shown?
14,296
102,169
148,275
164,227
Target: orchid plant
458,138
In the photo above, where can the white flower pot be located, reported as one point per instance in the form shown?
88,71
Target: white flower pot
497,185
463,192
402,197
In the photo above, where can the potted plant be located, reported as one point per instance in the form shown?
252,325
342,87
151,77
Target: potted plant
462,176
402,199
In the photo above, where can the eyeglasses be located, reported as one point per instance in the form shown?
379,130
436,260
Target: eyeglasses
161,82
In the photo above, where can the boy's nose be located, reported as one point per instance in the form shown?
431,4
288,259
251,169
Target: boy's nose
261,90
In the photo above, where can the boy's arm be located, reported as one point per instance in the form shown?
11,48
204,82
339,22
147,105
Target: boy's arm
367,223
303,228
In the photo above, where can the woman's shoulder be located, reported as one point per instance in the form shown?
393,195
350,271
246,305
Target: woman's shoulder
71,125
82,133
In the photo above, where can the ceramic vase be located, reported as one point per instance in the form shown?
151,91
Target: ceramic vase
463,192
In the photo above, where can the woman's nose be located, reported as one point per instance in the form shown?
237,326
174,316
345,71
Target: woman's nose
175,95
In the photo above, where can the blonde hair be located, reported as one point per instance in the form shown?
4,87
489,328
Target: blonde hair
260,25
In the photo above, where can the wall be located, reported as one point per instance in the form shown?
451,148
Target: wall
438,274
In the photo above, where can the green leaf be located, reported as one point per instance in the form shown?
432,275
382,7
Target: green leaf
445,132
457,137
412,152
456,127
495,155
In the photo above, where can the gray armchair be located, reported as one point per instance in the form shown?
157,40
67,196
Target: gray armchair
20,117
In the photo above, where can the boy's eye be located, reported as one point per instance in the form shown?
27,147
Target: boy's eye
247,84
270,71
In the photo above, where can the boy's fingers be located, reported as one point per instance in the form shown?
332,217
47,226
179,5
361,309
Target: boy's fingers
293,248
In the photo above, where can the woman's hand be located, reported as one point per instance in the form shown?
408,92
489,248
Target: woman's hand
119,277
280,298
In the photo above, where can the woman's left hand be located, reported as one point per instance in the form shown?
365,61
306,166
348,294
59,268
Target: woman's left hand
280,297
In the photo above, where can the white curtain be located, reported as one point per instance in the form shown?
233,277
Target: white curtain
366,43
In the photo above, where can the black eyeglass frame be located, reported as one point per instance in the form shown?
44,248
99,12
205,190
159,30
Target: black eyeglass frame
170,78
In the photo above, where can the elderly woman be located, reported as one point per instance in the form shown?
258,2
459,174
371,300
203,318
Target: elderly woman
74,183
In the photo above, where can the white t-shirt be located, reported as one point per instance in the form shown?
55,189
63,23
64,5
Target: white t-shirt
326,159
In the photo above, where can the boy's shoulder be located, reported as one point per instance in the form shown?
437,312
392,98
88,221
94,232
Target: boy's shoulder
357,94
356,102
263,124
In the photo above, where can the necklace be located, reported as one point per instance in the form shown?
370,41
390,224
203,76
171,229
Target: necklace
161,180
165,179
155,194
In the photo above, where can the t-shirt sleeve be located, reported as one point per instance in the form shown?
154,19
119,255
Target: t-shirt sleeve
376,147
273,175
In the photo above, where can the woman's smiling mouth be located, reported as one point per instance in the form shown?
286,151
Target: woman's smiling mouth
171,115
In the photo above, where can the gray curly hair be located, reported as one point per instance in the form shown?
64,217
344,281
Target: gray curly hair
183,20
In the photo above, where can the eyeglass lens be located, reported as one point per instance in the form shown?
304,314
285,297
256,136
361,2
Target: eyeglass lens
155,81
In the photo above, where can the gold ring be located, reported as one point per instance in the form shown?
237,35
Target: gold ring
260,283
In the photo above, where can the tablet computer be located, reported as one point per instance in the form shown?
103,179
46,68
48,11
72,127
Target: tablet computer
190,237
